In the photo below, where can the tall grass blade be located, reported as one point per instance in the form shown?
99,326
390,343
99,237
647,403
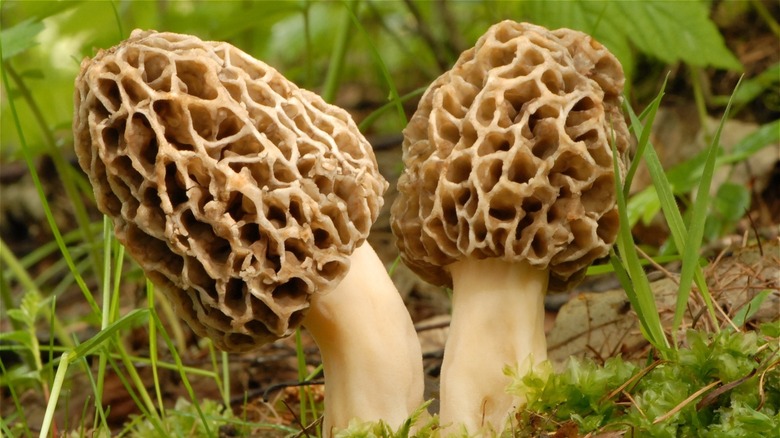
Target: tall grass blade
42,196
225,378
181,369
154,420
336,65
303,391
118,19
49,248
101,413
140,386
67,174
131,319
690,259
394,97
153,348
62,370
639,292
650,112
371,118
669,206
106,317
17,404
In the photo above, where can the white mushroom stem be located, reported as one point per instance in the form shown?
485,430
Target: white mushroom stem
497,321
370,350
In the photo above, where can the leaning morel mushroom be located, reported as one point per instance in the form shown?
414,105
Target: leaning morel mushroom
243,197
508,191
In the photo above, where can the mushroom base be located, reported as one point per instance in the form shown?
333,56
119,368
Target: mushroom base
370,350
497,321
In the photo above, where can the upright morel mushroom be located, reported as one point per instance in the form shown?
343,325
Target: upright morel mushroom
243,198
508,191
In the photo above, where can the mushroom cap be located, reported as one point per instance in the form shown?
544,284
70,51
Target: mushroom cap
239,194
508,156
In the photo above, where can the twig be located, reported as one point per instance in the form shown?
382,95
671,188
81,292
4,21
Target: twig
682,404
636,405
656,265
283,385
761,392
636,377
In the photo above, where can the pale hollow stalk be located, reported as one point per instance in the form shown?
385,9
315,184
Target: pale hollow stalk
370,350
497,321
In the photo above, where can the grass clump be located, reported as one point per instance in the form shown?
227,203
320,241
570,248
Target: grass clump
185,420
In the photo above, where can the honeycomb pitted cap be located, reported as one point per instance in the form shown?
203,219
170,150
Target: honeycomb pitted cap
239,194
508,156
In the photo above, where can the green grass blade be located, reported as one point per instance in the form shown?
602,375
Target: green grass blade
101,413
371,118
303,391
60,269
17,270
685,176
762,137
628,286
394,97
42,196
17,403
118,19
225,377
336,65
661,184
153,348
6,300
640,294
131,319
67,174
669,206
106,317
606,268
119,258
650,112
139,385
10,260
748,310
690,259
59,378
106,287
49,248
181,368
153,419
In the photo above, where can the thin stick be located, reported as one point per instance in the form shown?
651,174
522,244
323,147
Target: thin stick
685,402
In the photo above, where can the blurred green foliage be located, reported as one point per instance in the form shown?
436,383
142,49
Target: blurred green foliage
44,41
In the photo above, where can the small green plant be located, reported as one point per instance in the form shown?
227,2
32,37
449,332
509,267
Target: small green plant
719,385
419,424
185,419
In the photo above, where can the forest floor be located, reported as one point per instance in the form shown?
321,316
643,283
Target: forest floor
594,320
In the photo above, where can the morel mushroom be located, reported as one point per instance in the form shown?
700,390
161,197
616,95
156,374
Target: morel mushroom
508,191
243,198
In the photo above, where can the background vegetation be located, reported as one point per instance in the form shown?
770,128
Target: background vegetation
79,323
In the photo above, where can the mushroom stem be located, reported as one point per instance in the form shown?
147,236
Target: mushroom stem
497,320
370,350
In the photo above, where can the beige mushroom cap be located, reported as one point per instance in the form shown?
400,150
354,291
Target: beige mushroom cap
239,194
508,156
